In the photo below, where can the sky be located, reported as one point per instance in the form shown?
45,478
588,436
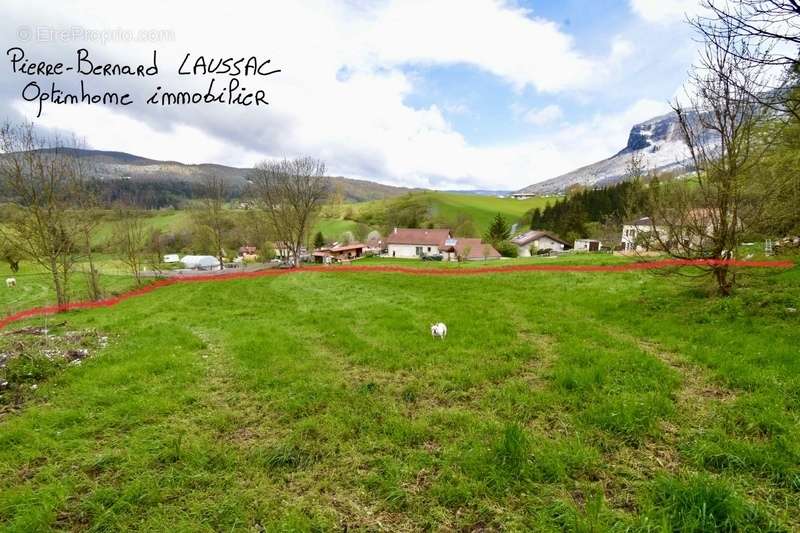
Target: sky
445,94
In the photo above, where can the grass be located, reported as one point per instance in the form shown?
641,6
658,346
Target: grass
448,206
34,284
318,401
333,228
483,209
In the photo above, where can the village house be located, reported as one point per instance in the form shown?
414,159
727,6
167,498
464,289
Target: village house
691,230
248,253
375,244
638,236
415,243
468,249
343,252
587,245
284,252
347,252
532,241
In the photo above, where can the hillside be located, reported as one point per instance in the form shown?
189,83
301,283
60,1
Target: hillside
448,206
482,209
121,165
658,141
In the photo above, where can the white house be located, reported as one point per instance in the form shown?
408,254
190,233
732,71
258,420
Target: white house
638,235
411,243
531,241
587,245
200,262
172,258
284,252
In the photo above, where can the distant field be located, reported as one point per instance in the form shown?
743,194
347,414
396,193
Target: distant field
166,220
181,219
319,401
34,286
333,228
484,208
481,208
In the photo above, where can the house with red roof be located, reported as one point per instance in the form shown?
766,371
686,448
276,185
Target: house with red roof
415,243
469,249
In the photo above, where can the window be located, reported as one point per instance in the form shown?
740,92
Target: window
419,250
429,248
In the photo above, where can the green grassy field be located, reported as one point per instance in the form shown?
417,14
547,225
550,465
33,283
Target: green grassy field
581,402
34,286
482,209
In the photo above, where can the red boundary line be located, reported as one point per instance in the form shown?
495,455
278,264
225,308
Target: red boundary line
647,265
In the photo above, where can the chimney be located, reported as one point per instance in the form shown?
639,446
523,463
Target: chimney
395,230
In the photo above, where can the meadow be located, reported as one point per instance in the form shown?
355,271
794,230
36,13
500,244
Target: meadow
483,209
318,401
448,206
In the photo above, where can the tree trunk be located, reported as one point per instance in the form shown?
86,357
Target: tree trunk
724,282
94,284
61,298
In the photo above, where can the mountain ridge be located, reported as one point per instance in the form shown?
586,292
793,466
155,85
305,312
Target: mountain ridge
659,140
110,164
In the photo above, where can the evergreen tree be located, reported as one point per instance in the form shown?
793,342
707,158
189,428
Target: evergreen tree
319,240
499,231
536,218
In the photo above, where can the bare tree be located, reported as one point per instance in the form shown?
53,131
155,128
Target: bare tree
131,240
291,193
85,193
758,34
212,214
41,176
723,126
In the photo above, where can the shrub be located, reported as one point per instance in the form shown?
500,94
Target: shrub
506,249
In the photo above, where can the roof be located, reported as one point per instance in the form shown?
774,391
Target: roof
374,242
199,260
434,237
346,247
534,235
476,248
644,221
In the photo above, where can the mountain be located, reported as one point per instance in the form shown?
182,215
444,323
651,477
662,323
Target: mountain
121,165
659,141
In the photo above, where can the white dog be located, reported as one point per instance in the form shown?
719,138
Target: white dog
439,330
11,282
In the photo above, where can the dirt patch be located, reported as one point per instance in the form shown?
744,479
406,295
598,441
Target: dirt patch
30,356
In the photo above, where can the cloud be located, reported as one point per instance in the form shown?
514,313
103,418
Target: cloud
542,116
665,11
343,95
494,36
